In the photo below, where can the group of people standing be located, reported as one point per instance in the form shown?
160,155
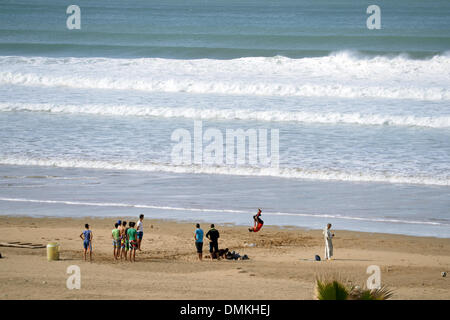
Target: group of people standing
127,239
213,235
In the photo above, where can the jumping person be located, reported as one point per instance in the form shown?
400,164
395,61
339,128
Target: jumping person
258,223
198,236
213,236
328,242
140,231
87,237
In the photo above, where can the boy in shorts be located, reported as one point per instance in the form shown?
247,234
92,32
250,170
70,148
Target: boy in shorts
124,240
198,237
132,236
87,237
116,241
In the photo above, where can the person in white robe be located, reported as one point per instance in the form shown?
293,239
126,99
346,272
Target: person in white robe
328,242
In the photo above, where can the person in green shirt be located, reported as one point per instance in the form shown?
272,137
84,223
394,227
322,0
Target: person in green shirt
132,237
116,241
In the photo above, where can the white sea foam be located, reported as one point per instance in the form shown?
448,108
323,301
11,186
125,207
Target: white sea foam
289,173
339,75
147,206
236,114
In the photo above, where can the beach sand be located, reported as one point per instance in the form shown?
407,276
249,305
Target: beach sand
281,263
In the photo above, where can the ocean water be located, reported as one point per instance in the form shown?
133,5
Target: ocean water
86,116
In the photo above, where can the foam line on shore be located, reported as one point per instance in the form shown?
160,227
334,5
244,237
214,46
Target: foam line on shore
146,206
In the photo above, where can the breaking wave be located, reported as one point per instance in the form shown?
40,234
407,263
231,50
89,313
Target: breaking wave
289,173
236,114
342,74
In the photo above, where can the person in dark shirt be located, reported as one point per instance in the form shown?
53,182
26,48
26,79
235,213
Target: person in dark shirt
213,236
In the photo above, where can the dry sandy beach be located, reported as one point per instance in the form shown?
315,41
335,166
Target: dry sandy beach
281,263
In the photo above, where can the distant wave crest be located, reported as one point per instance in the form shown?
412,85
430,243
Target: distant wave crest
289,173
343,75
235,114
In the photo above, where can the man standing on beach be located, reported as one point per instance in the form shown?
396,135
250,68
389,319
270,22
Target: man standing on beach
328,242
140,231
213,236
198,236
87,237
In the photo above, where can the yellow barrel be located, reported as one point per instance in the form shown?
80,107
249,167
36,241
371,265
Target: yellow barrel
52,251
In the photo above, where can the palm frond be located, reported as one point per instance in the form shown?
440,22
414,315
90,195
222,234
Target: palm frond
335,288
330,290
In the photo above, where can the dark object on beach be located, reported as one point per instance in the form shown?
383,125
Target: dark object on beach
230,255
443,274
317,257
233,255
1,256
222,253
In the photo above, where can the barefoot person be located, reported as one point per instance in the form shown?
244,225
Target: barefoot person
328,242
213,236
140,231
257,222
132,238
87,237
116,241
198,236
124,244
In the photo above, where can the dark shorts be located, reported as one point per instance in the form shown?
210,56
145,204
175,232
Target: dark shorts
140,234
133,244
199,246
87,245
213,247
